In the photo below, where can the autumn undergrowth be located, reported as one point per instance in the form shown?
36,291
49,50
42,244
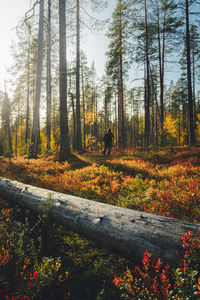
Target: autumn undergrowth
41,260
47,261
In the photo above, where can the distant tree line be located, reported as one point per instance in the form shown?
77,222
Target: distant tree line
59,104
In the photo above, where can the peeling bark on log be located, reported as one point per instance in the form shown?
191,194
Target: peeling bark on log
125,231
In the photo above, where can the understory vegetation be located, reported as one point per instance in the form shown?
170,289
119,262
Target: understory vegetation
41,260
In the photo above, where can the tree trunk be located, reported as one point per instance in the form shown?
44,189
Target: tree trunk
7,118
64,138
78,116
74,132
17,128
116,123
147,94
49,78
179,125
189,80
95,119
83,97
131,122
54,117
152,118
119,117
162,88
28,90
105,112
125,231
74,139
193,91
161,57
36,109
9,133
122,143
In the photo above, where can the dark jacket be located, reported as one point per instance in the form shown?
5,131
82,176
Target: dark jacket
108,139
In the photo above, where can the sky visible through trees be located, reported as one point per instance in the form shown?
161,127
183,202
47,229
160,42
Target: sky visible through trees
94,45
13,11
129,66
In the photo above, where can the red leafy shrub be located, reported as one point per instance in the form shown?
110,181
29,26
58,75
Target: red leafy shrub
154,280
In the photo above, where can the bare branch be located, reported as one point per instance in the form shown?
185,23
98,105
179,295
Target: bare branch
87,27
91,16
32,9
71,9
25,21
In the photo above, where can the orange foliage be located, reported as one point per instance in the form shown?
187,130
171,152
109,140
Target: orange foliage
170,182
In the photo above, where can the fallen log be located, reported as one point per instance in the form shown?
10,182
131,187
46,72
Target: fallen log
125,231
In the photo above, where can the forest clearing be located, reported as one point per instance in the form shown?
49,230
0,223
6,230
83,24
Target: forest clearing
164,182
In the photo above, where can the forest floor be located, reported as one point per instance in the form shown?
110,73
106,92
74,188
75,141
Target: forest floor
44,261
164,181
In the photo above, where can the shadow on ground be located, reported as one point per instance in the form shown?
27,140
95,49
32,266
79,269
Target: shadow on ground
76,161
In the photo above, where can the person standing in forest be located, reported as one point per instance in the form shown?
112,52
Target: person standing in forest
108,141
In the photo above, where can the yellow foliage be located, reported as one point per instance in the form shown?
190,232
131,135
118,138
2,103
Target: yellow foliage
20,148
43,141
90,141
173,127
54,141
141,125
170,126
198,128
89,117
